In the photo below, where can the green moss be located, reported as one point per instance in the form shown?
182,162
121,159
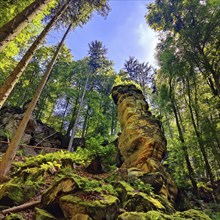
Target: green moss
126,186
169,209
192,214
138,201
14,216
41,214
11,193
101,201
94,205
53,160
156,215
151,215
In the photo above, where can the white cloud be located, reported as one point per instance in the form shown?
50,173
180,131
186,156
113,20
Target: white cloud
147,40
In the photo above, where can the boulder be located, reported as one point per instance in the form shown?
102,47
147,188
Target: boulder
98,206
187,215
41,214
16,193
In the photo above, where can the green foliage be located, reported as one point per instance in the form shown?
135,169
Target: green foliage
8,10
141,186
53,161
14,216
96,148
212,210
187,58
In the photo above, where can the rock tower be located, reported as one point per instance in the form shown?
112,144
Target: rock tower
142,143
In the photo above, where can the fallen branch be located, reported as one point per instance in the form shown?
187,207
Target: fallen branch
37,147
20,207
46,138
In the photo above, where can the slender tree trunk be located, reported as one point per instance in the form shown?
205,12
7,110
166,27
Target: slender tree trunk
85,123
13,78
64,113
210,69
14,145
73,118
77,116
168,125
200,141
10,30
114,120
184,148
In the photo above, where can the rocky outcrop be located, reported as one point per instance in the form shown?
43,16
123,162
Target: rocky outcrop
36,132
142,143
63,191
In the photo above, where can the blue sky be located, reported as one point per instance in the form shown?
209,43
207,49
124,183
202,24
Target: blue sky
124,33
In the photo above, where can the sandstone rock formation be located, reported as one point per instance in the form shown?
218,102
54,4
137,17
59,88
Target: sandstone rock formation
142,143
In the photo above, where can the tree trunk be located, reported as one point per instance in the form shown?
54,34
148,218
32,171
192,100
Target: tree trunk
184,148
64,113
209,68
77,116
10,30
73,118
13,78
11,151
113,119
199,139
85,123
169,127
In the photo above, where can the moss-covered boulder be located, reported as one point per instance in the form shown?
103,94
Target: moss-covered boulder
81,217
41,214
190,215
142,202
64,185
16,193
135,200
143,216
95,205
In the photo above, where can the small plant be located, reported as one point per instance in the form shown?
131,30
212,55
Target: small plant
141,186
95,147
14,216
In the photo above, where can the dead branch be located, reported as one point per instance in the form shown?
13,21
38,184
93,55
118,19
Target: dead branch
46,138
30,146
20,207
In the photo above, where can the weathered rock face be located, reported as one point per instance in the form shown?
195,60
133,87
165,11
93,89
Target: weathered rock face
36,132
142,143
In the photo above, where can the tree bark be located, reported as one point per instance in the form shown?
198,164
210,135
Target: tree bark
13,78
113,119
209,68
199,139
73,118
77,116
13,147
85,123
10,30
182,140
64,113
